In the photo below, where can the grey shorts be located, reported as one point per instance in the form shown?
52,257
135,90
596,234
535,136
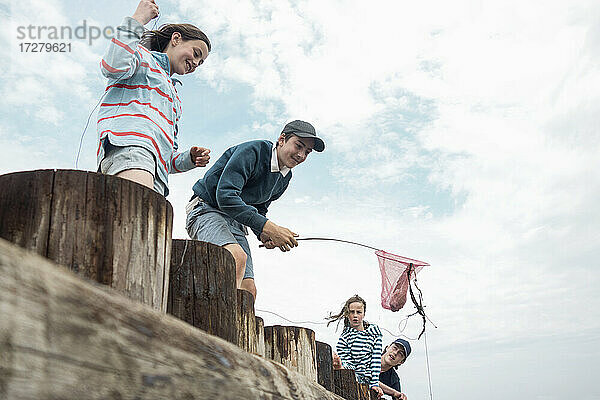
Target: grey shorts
210,225
118,159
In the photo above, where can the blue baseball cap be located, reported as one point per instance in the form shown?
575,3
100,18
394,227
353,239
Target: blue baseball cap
405,345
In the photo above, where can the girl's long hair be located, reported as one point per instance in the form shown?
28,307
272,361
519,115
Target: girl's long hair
346,310
158,40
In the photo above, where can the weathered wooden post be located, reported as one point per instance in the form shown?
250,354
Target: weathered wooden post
246,322
364,393
293,347
260,336
202,287
62,338
324,365
105,228
345,385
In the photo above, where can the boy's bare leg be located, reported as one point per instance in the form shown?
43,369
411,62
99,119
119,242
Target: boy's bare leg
248,284
239,255
139,176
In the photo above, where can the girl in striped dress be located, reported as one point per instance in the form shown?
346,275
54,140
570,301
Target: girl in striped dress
359,346
138,118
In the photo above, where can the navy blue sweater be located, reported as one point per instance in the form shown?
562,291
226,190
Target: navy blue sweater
390,378
241,183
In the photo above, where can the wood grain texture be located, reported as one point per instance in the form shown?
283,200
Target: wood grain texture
324,365
25,203
63,338
260,336
202,288
246,322
293,347
105,228
345,385
364,393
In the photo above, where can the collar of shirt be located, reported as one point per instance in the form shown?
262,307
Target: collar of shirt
275,162
163,60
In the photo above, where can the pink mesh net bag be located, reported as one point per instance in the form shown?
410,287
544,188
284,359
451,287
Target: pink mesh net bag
395,279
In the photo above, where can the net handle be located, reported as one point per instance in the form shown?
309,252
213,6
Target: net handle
335,240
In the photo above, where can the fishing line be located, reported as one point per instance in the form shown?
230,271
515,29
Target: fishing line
325,323
293,322
428,368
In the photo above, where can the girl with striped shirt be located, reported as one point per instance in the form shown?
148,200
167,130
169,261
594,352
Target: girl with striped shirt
138,118
359,346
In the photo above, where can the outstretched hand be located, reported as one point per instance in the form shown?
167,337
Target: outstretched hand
200,156
279,237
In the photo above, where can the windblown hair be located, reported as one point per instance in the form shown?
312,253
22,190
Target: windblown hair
158,40
346,310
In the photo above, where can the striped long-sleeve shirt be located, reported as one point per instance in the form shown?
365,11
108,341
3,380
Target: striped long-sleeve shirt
141,106
361,351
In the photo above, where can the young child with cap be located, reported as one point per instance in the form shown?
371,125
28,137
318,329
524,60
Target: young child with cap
237,191
394,355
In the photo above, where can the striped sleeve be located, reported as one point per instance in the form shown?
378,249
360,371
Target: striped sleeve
181,162
375,364
122,58
343,350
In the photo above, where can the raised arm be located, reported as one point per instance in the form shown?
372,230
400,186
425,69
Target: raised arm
146,11
122,57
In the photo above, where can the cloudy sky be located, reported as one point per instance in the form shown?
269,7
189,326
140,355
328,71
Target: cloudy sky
459,133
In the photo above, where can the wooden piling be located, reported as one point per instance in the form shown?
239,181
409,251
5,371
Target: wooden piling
62,338
260,336
246,322
324,365
364,393
105,228
202,287
345,385
293,347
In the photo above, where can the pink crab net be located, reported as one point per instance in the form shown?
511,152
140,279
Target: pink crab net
395,279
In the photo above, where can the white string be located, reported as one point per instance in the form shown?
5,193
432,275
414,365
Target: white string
405,321
428,368
88,122
293,322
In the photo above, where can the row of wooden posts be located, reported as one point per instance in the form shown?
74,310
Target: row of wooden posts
118,233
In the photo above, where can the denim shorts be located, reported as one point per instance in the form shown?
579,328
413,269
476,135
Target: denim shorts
118,159
207,224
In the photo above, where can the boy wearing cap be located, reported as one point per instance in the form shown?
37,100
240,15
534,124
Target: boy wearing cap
237,191
394,355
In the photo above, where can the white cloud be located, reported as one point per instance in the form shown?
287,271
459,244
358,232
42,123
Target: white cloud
490,108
